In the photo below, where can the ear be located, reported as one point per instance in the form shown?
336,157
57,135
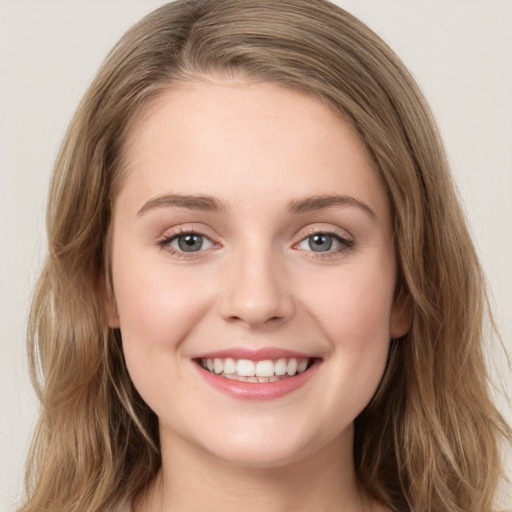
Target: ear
109,302
401,314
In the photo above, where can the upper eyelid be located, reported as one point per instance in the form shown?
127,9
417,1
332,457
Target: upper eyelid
165,243
339,239
343,238
186,229
174,238
304,233
167,239
333,230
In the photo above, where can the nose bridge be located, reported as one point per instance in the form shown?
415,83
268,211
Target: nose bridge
257,292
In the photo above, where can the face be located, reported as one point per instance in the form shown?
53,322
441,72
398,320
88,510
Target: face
254,272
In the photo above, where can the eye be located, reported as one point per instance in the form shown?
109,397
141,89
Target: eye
187,242
324,242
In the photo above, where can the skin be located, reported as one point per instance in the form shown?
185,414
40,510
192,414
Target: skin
256,283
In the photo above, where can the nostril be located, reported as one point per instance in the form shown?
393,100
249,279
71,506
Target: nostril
264,312
256,294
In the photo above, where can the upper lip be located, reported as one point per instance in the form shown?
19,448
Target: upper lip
253,354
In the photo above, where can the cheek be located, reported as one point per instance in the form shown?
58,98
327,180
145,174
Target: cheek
355,319
157,307
355,308
354,312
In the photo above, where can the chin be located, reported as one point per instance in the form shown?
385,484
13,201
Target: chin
259,457
271,450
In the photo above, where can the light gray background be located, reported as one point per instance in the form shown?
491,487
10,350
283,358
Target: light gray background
459,50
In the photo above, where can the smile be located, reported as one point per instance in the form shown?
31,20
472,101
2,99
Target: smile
264,374
263,371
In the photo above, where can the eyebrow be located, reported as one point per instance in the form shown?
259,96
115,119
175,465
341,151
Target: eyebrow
191,202
212,204
316,203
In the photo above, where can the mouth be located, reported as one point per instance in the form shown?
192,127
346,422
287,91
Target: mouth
263,374
259,371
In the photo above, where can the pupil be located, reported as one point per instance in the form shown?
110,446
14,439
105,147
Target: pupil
320,242
190,243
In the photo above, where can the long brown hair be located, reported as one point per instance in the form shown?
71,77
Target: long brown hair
428,441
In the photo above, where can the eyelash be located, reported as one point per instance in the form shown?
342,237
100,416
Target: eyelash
165,243
345,243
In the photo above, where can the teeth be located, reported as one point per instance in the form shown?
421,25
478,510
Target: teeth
252,379
291,369
245,368
218,367
266,370
229,366
301,367
280,367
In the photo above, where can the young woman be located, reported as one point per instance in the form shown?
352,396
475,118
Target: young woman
260,292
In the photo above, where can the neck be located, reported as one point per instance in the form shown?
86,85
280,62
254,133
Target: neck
191,480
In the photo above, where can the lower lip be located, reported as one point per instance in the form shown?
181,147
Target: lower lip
258,390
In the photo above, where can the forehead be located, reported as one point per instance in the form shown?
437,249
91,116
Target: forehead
246,141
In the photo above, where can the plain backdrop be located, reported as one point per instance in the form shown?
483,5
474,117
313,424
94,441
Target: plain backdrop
460,51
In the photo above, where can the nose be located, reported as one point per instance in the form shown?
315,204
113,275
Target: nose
257,292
